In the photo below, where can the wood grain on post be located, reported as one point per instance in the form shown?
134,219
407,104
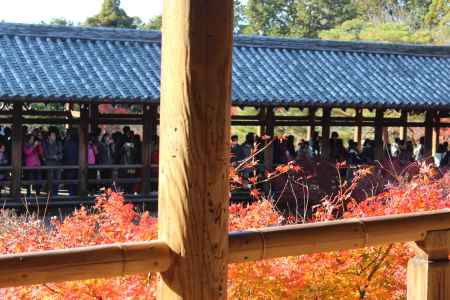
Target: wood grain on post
83,263
195,132
429,270
379,139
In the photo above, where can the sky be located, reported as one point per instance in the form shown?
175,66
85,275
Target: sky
35,11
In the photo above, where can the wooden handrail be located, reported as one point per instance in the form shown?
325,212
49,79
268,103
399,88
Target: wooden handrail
154,256
347,234
83,263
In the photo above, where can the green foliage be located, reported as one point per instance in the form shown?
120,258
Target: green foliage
296,17
155,23
438,14
394,32
112,15
61,22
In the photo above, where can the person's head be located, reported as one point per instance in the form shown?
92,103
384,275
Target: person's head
352,144
290,139
422,140
30,139
52,136
397,140
250,138
2,148
107,139
234,140
334,135
126,130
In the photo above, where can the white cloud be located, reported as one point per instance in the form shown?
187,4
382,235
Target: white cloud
34,11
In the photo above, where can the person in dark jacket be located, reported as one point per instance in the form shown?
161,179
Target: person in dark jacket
53,156
70,157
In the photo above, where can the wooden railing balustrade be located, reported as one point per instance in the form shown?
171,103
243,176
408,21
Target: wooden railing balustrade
428,272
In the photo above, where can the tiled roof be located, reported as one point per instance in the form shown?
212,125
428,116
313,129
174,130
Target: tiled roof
54,63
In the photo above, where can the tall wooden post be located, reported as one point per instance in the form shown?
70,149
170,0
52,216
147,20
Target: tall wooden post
195,133
358,129
83,137
436,134
429,270
269,129
150,121
312,125
379,144
325,143
429,122
404,129
16,150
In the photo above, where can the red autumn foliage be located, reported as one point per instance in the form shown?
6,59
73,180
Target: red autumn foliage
370,273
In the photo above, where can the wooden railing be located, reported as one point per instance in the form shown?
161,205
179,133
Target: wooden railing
427,273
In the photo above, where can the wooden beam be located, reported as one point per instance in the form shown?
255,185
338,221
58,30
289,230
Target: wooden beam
84,263
436,134
429,270
195,144
83,134
150,121
17,136
311,120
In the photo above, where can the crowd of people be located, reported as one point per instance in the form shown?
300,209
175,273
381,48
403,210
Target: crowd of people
54,147
285,150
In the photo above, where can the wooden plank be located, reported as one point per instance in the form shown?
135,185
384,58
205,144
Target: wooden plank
429,270
83,133
84,263
436,134
195,133
358,130
16,150
150,121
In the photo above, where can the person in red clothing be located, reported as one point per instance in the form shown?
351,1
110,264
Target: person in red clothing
32,151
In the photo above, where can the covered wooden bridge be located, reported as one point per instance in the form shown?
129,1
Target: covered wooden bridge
65,76
193,247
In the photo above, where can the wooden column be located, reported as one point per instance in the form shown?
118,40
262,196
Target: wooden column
93,112
404,129
325,142
436,134
83,133
195,145
379,144
312,126
16,150
269,129
150,122
358,130
429,123
429,270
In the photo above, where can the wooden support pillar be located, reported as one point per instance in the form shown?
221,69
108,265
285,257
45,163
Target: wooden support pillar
429,270
83,136
93,116
404,129
269,129
195,144
312,126
16,150
358,130
429,123
150,122
436,134
325,142
379,144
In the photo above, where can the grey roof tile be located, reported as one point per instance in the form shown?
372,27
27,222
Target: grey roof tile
98,64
